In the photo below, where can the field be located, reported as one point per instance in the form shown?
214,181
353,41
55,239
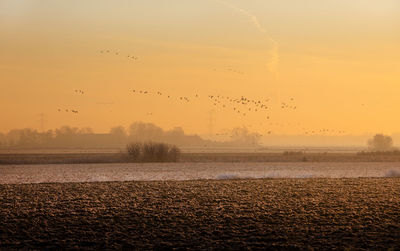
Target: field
207,200
17,174
360,213
77,157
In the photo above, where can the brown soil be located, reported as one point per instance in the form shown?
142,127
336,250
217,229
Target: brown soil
219,214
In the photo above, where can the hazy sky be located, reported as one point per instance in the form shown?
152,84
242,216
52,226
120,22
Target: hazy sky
339,60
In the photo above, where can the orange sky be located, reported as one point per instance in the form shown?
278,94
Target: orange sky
339,61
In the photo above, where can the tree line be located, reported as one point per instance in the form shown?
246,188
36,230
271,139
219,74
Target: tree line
117,137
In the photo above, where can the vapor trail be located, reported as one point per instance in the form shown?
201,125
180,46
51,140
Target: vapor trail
273,51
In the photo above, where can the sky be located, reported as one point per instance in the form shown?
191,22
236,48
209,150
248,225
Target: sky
337,62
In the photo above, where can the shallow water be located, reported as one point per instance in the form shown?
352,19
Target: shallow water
16,174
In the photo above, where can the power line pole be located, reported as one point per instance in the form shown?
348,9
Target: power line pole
42,120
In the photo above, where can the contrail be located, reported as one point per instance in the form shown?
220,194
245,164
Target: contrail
253,18
273,52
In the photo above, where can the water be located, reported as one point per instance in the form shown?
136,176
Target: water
17,174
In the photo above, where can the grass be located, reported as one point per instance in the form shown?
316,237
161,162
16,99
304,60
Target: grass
379,153
82,158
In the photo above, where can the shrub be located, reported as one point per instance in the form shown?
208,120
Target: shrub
134,150
174,153
290,153
153,152
161,152
149,152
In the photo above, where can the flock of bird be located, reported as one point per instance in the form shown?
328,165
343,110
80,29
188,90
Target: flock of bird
242,105
78,91
323,132
288,106
116,53
229,134
239,105
68,110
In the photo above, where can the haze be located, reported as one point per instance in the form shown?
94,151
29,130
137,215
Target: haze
337,62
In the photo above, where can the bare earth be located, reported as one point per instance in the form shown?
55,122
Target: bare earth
357,213
17,174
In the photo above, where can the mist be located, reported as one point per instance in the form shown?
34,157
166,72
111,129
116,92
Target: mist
119,137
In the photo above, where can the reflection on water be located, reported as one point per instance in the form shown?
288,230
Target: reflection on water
11,174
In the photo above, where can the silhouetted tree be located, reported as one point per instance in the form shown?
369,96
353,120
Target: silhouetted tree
242,136
140,131
2,139
118,131
381,142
